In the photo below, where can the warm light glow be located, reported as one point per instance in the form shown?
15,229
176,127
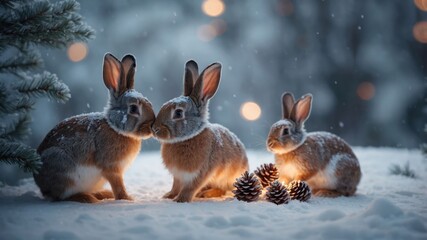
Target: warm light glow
420,32
208,32
285,7
77,51
213,8
250,111
366,91
421,4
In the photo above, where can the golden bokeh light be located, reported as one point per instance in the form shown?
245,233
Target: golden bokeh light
213,8
420,32
366,91
250,111
421,4
208,32
285,7
77,51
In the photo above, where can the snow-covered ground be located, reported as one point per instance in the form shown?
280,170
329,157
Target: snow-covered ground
385,207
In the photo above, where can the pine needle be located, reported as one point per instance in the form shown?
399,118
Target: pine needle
46,84
20,154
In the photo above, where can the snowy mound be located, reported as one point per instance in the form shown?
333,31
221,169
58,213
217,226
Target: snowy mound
385,207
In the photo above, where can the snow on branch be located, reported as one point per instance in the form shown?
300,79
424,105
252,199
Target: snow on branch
43,84
42,23
16,127
20,154
26,25
23,61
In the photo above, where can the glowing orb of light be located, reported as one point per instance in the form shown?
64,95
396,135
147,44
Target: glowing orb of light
213,8
250,111
77,51
421,4
366,91
420,32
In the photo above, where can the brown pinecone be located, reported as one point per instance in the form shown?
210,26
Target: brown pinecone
248,188
277,193
299,190
267,173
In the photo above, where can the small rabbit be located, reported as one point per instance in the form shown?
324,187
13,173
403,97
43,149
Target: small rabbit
323,160
84,151
204,158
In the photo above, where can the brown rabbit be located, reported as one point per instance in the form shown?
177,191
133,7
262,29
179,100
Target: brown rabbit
323,160
84,151
204,158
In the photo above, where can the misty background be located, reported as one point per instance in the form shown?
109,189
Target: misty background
364,62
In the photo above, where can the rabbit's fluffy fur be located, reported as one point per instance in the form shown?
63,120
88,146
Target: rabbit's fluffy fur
323,160
204,158
83,152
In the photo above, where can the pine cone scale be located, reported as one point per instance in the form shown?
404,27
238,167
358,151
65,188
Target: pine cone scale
299,190
248,188
267,173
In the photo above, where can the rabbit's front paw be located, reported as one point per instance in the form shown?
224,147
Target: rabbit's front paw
183,198
124,197
170,195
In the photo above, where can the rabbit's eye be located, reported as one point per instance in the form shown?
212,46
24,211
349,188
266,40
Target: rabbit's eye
286,131
178,114
133,109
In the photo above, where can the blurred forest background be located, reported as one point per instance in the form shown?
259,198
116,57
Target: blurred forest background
364,62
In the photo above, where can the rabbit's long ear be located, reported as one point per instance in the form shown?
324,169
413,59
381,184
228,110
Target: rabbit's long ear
129,68
190,76
112,71
207,83
302,109
287,104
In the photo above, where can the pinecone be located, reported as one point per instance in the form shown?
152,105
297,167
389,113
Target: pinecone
277,193
267,173
248,188
299,190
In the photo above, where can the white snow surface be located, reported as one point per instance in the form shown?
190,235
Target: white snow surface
385,207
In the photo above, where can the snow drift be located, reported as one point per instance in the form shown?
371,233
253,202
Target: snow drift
385,207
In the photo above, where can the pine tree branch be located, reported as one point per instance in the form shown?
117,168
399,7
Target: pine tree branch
48,84
44,24
25,25
17,129
24,61
18,153
4,104
12,101
6,3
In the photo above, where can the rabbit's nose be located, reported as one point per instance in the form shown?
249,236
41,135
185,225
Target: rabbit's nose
155,129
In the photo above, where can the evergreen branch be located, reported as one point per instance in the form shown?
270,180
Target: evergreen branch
21,154
6,3
67,6
18,129
24,104
48,84
11,101
24,61
4,104
24,17
55,25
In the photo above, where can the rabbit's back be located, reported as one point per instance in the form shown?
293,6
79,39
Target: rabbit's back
324,160
78,130
338,167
